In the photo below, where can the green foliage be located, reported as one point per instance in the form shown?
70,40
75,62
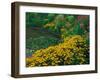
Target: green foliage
51,17
78,30
70,18
29,19
34,19
59,22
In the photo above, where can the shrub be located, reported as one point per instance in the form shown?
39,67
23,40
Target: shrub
59,22
70,18
72,51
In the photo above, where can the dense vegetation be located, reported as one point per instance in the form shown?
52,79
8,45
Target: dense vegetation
56,39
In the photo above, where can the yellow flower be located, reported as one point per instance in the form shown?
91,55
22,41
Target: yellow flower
66,53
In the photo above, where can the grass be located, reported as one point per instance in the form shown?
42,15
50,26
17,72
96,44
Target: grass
38,39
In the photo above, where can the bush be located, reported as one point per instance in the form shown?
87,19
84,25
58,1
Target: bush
70,18
72,51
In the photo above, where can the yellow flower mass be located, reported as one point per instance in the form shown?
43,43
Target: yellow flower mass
71,52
